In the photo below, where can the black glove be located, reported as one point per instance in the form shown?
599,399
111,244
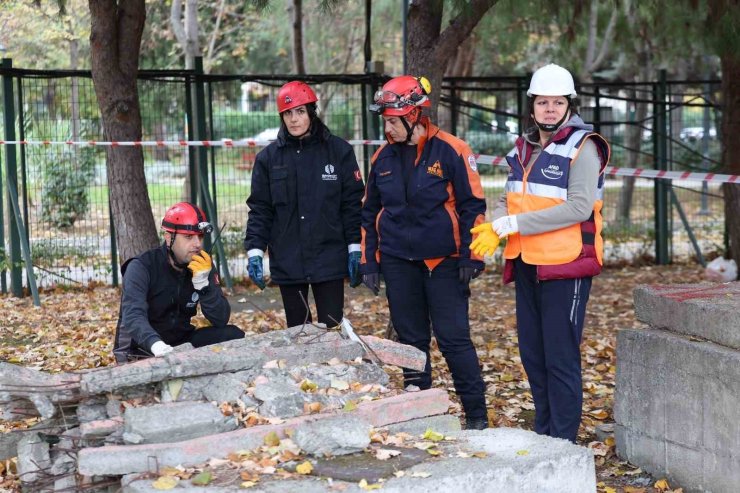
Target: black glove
467,273
372,281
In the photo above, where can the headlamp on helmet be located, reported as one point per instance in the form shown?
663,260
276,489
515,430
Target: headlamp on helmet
186,218
400,95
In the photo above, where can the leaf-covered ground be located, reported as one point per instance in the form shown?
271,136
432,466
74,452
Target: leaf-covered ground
75,330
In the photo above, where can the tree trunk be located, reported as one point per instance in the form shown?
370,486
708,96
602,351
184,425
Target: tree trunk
731,147
429,48
115,39
299,60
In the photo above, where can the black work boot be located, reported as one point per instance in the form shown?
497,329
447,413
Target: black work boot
476,423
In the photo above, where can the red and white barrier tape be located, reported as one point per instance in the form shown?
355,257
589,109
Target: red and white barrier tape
481,158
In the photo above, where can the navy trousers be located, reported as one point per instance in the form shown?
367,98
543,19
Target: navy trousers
420,301
549,317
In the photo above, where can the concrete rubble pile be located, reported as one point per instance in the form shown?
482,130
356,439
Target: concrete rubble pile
100,424
301,409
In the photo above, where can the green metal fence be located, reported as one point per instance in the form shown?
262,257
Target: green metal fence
63,191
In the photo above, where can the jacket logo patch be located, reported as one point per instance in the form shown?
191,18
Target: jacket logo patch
358,176
471,162
436,170
329,174
384,173
552,172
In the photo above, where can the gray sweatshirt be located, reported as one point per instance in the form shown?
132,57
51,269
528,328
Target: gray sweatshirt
583,183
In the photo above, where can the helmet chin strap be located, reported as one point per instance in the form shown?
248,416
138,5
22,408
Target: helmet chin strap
409,129
551,127
175,262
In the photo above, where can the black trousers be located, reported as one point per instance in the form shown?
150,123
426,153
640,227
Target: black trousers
423,301
329,297
549,319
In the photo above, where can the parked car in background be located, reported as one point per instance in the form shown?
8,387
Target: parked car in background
696,133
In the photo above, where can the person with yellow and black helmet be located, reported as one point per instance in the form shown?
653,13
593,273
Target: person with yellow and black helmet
550,214
422,197
304,211
163,287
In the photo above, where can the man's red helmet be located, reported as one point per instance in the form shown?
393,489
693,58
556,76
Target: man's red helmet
293,94
186,218
401,95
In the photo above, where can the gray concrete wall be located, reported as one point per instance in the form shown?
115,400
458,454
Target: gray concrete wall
677,408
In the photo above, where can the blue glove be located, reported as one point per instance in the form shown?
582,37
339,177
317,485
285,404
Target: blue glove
355,279
256,274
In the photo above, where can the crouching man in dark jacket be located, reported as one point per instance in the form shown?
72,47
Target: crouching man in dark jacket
162,288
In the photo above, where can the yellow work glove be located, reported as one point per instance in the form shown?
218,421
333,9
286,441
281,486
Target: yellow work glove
200,266
487,240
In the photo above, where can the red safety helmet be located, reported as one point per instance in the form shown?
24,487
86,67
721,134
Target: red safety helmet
186,218
400,95
293,94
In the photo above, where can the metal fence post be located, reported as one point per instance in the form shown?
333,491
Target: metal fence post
193,192
660,131
201,162
11,175
597,109
453,108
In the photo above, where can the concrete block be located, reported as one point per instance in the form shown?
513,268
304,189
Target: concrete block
649,453
549,465
224,388
33,457
721,419
341,435
176,421
100,428
125,459
721,473
444,423
684,408
703,310
647,401
684,466
279,400
394,353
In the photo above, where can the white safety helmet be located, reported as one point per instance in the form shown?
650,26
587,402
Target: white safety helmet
552,80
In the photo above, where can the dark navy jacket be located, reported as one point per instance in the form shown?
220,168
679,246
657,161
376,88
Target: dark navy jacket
304,207
430,214
158,302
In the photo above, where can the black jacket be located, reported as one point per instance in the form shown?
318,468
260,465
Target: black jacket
158,302
304,207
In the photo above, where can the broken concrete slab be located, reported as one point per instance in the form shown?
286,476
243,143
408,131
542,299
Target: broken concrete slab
513,461
323,375
446,424
356,467
120,459
340,435
155,424
100,428
33,457
279,399
394,353
708,311
220,358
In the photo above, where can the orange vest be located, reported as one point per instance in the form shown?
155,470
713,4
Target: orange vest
545,185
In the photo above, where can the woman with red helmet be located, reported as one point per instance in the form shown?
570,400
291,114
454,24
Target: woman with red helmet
163,287
423,196
304,209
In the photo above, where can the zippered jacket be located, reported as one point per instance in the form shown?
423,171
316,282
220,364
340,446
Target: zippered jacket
429,214
304,206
